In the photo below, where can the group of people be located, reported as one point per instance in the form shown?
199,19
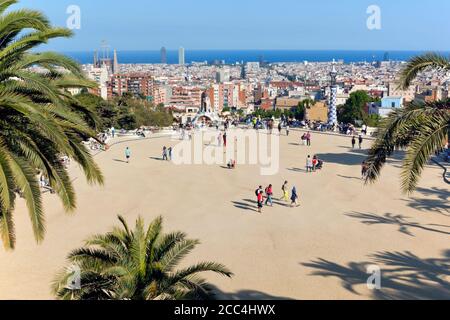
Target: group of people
313,164
360,141
222,139
94,145
306,139
231,164
167,153
267,195
347,129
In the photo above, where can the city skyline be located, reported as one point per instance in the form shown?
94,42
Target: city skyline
243,56
292,25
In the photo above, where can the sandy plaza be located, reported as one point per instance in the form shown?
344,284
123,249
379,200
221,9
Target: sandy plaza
320,250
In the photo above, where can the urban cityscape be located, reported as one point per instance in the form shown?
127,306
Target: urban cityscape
213,86
313,178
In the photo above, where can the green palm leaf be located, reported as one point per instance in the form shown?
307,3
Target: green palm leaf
420,64
40,120
137,264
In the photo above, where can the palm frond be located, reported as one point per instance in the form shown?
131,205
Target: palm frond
118,265
432,131
421,63
25,179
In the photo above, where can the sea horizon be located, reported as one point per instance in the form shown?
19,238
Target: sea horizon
231,56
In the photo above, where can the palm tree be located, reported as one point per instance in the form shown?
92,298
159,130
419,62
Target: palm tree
137,264
420,129
40,121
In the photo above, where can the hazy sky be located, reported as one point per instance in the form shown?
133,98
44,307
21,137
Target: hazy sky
252,24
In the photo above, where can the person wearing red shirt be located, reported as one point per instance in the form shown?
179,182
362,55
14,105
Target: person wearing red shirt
269,194
260,198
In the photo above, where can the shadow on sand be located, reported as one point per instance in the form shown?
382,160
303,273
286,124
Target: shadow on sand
250,205
355,150
404,275
440,205
404,224
349,159
357,156
243,295
297,170
350,178
157,159
118,160
245,206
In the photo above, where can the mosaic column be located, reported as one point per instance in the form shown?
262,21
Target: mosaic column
332,112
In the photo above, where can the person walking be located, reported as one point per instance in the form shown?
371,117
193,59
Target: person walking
364,129
128,154
309,164
304,141
269,194
360,141
308,139
113,132
285,190
294,197
169,151
353,142
260,198
225,139
164,154
287,130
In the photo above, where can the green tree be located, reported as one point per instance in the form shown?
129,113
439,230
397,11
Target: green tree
137,113
353,109
373,120
127,121
40,120
106,111
138,264
108,114
420,129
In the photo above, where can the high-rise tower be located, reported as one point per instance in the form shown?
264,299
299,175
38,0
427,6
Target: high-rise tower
105,60
332,112
181,58
116,68
163,55
96,64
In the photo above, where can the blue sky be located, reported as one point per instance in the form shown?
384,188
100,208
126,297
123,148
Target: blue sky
251,24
